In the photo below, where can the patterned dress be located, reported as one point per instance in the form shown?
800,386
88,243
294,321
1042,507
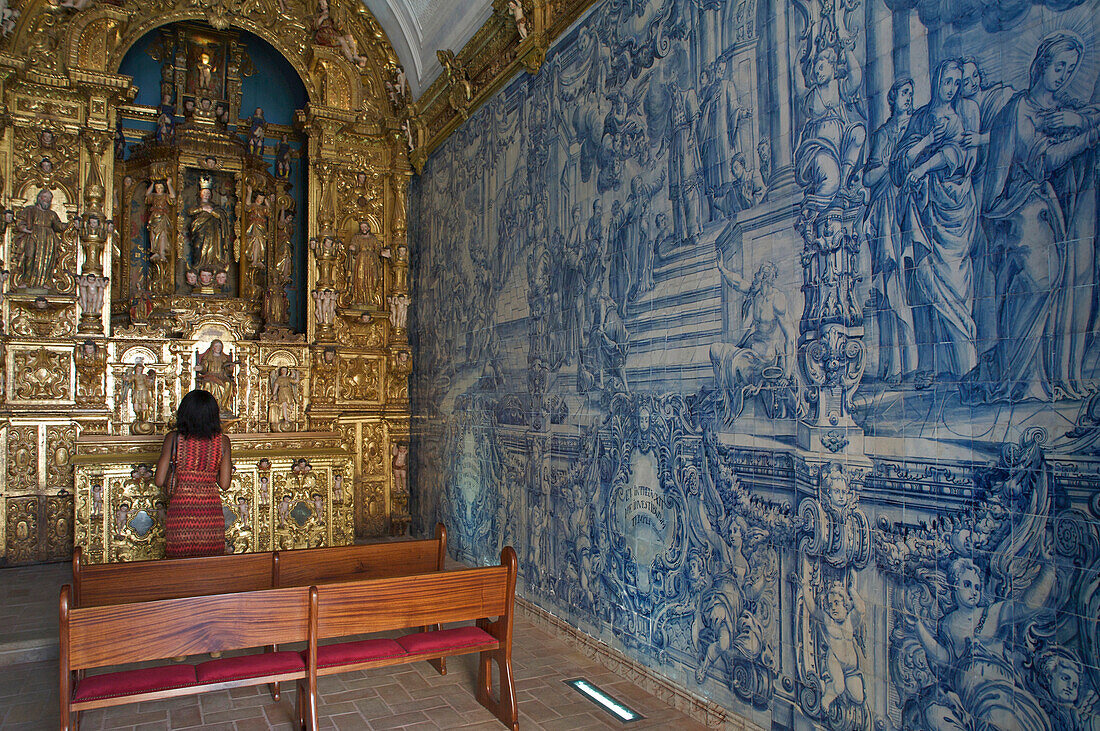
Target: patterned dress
196,524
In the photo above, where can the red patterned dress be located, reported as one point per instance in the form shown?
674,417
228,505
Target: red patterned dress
196,524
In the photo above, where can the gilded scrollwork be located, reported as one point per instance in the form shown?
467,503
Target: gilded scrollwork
397,375
60,448
323,388
136,515
366,332
22,458
301,500
41,374
22,529
372,507
374,449
360,378
59,527
42,317
91,365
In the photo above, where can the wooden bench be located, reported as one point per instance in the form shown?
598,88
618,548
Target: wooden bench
138,581
483,595
102,636
116,634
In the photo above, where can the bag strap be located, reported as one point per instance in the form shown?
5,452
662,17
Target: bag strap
169,484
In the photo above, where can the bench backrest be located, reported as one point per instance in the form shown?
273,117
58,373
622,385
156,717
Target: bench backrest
97,636
142,581
369,561
377,605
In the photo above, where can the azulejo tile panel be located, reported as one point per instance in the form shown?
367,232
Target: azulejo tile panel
766,333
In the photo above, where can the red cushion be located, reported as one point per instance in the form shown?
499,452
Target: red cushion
346,653
249,666
445,639
132,682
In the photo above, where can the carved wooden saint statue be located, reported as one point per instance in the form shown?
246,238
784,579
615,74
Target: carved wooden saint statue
140,385
38,235
366,266
159,199
283,399
204,75
211,235
258,211
215,372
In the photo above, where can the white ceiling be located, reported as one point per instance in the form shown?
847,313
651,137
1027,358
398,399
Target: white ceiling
418,28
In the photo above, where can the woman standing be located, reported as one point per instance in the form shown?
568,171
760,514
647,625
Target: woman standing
938,218
203,467
1040,214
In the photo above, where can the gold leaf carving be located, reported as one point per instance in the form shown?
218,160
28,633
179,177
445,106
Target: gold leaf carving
22,458
41,374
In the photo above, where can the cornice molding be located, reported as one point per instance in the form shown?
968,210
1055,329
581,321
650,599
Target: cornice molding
486,63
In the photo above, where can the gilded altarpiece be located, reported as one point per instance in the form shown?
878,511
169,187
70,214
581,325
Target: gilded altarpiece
288,491
152,247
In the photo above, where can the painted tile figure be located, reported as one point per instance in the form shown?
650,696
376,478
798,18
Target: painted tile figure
939,218
1040,197
796,408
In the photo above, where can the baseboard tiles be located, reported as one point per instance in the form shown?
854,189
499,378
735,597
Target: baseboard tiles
702,710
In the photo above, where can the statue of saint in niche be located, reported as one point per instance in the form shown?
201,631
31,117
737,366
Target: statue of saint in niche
38,232
215,372
159,199
211,234
364,251
258,211
204,74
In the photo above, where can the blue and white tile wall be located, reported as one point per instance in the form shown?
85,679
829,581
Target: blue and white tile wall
766,332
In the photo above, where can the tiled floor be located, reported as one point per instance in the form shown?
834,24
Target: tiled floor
409,696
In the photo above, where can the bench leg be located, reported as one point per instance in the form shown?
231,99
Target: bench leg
307,705
311,686
439,663
300,705
274,686
505,708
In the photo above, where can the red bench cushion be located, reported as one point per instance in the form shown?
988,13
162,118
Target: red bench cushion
346,653
445,639
132,682
249,666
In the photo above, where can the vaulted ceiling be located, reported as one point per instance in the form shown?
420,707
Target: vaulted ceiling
418,28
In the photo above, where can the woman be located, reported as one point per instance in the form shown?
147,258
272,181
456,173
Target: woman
897,341
938,217
204,466
1040,212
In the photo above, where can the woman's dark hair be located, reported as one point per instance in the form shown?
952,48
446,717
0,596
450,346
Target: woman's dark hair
198,415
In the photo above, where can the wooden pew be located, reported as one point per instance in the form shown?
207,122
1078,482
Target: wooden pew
306,566
142,581
482,595
138,581
101,636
